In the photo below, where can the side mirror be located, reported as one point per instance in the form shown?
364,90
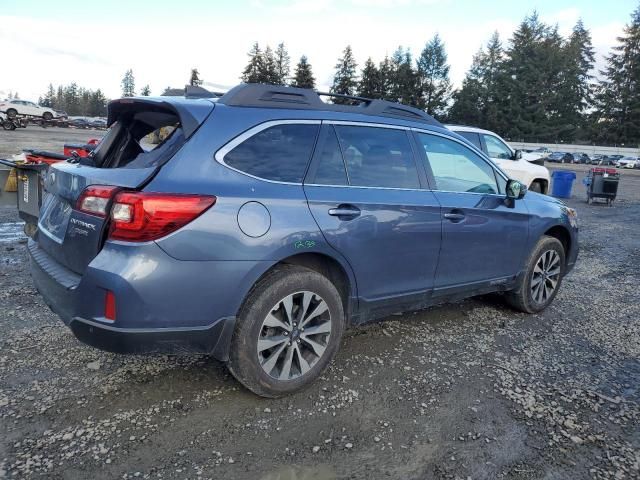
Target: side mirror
517,155
516,190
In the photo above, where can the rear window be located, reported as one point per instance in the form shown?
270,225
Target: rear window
279,153
139,139
378,157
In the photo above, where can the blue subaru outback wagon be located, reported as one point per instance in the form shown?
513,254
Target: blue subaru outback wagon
266,221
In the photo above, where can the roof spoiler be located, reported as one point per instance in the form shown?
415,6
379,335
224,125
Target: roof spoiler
191,114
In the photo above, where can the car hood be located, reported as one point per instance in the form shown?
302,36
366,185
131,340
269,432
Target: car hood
539,197
531,156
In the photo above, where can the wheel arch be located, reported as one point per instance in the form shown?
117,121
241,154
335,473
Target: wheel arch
561,233
544,184
336,271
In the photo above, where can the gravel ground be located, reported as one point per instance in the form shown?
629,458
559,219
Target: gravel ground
468,390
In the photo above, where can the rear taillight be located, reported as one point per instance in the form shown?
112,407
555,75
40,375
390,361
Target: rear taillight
144,216
95,199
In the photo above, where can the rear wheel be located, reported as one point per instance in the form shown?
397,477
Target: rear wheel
288,331
542,278
12,112
47,116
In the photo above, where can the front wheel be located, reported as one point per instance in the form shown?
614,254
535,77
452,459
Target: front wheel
47,116
288,331
541,281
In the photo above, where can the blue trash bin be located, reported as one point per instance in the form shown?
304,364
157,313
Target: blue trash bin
562,184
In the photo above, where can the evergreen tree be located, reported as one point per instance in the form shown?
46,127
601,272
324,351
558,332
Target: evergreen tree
85,101
97,104
530,81
72,99
60,103
195,78
269,72
580,62
282,64
303,77
146,91
369,85
128,84
403,86
477,102
433,77
49,98
617,117
344,80
252,73
385,78
468,104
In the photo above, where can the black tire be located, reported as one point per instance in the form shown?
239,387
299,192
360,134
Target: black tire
535,187
12,112
47,116
522,297
285,280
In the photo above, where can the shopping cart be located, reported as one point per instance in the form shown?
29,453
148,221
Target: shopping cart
602,183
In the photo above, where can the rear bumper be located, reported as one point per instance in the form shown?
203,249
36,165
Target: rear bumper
213,340
79,301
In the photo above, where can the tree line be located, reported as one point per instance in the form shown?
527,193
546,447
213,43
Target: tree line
75,100
538,86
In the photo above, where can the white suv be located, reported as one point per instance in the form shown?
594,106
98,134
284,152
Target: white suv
513,162
25,107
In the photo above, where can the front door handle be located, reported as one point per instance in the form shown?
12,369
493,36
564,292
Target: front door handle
345,212
455,217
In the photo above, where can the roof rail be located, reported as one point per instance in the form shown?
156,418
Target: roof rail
276,96
348,97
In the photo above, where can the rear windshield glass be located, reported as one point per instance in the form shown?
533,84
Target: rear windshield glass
140,139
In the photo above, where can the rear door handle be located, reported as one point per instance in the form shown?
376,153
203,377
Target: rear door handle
347,211
454,217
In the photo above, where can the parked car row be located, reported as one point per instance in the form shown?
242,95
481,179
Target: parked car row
97,123
619,161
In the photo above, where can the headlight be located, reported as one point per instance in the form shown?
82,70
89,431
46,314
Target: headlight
573,217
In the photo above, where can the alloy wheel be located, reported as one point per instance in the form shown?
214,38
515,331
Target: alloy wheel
294,335
545,276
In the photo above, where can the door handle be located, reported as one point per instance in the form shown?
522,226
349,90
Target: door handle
455,217
345,211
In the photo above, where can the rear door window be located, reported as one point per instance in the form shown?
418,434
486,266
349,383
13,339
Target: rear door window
377,157
279,153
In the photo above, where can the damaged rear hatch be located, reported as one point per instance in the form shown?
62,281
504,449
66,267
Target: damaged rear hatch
144,134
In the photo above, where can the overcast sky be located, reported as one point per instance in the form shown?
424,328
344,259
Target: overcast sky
94,43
